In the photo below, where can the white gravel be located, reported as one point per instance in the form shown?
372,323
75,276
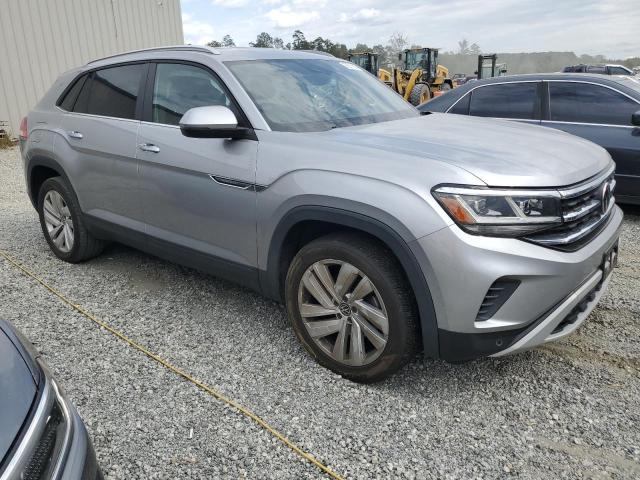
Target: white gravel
570,410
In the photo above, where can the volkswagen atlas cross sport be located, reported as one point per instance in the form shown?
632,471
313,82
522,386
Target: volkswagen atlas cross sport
300,175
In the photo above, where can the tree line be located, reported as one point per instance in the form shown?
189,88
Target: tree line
462,60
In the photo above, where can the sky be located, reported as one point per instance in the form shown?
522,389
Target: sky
606,27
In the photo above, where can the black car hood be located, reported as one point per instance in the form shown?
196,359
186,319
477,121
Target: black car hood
17,389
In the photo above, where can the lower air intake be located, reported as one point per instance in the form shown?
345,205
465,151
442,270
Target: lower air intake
498,293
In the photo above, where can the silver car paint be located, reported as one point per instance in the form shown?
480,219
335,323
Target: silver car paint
385,171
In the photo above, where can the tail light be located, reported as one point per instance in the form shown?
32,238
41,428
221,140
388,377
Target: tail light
24,130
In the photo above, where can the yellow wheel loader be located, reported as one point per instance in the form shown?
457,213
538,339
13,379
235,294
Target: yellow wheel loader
420,78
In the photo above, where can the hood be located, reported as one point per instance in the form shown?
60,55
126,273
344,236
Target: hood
17,392
499,153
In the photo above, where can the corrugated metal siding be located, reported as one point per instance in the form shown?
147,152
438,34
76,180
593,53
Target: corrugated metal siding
40,39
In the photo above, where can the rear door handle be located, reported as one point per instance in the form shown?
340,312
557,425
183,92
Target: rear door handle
149,147
75,134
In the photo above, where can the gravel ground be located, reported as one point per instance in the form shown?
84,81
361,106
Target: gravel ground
568,410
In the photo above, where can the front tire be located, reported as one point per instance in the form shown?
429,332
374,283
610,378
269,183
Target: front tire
420,93
62,223
351,307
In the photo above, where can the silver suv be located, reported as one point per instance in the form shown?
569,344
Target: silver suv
300,175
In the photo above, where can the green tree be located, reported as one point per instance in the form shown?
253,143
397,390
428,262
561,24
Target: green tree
214,44
227,41
300,42
463,47
474,49
263,40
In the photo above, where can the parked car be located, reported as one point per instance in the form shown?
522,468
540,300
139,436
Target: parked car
604,110
385,232
609,69
41,433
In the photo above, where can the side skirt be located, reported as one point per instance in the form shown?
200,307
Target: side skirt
218,267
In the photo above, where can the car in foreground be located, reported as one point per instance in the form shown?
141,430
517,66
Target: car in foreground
604,110
609,69
41,434
384,232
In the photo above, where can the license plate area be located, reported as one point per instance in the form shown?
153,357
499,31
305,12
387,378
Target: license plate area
609,260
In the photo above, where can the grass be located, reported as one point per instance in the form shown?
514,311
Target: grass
6,142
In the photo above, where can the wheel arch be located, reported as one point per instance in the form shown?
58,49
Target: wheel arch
315,221
39,169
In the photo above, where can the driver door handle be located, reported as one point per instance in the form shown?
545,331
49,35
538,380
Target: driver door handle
149,147
75,134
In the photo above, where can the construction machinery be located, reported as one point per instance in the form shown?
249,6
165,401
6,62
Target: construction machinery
366,60
419,78
492,68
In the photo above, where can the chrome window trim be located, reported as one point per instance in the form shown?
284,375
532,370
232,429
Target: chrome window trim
489,85
66,112
498,192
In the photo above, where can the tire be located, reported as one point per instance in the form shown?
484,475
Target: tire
341,335
58,203
420,93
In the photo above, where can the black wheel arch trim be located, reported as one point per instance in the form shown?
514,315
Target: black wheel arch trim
270,279
42,161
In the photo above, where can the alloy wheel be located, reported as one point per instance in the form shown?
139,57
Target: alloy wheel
57,218
343,312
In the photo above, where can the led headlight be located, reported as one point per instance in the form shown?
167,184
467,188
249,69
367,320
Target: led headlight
500,212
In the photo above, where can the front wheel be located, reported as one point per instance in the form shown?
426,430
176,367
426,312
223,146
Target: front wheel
351,307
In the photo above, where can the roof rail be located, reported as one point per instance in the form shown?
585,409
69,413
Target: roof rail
189,48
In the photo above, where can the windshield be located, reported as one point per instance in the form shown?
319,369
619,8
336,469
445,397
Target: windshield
305,95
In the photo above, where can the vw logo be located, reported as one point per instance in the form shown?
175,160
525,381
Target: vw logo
345,309
606,197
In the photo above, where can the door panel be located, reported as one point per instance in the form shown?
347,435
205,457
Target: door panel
105,171
183,205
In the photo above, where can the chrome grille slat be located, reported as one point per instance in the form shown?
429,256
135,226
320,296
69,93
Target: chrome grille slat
582,214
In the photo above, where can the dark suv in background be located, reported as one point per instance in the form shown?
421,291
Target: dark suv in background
605,110
599,69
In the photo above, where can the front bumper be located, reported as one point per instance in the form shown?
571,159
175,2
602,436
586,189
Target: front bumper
460,268
55,444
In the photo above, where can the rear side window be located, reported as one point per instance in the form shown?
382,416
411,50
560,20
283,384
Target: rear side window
508,100
69,99
462,107
180,87
602,70
111,92
587,103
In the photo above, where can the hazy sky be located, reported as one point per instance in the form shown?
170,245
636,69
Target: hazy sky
608,27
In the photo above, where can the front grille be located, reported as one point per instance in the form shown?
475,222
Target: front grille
48,446
498,293
585,211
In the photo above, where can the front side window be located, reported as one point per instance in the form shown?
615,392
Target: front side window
111,92
298,95
587,103
508,100
180,87
462,106
619,71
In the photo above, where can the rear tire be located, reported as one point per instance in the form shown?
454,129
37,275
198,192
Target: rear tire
62,223
361,322
420,93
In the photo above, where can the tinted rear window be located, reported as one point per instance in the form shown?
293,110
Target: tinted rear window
587,103
508,100
69,99
111,92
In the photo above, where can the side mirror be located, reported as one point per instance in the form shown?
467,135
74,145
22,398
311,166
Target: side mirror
635,119
213,121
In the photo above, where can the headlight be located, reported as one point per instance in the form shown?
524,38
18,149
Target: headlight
500,212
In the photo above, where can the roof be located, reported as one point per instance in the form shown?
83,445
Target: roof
220,54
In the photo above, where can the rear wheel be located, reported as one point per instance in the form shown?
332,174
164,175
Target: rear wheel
351,307
62,223
420,93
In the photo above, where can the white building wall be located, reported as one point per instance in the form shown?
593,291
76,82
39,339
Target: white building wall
40,39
